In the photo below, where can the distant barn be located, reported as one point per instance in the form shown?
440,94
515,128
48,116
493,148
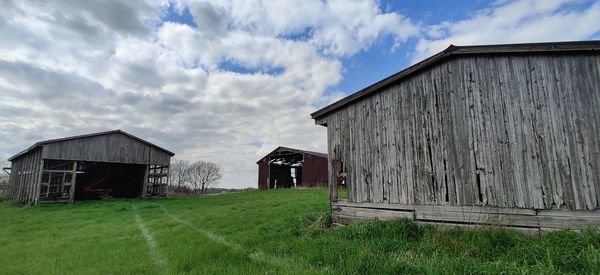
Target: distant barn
499,134
93,166
288,167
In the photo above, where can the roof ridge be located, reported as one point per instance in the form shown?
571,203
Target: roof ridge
48,141
540,47
314,153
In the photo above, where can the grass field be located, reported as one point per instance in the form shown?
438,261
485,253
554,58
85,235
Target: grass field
281,231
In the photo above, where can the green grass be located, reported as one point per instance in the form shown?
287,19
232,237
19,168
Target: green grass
277,232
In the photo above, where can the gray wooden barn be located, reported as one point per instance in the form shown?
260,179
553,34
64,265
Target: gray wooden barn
92,166
474,135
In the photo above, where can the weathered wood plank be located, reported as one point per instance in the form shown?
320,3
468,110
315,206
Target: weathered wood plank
500,131
114,147
366,213
444,208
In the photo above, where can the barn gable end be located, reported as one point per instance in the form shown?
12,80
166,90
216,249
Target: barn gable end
92,166
505,134
112,147
287,167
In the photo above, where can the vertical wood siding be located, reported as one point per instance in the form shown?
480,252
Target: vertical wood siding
314,171
24,177
263,174
498,130
114,147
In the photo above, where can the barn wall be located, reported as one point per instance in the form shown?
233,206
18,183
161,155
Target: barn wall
520,131
114,147
314,171
263,174
24,177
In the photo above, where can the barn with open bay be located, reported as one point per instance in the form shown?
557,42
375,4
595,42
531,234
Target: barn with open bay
475,135
92,166
287,167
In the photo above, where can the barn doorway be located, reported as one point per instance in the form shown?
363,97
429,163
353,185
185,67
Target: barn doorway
285,170
340,187
101,180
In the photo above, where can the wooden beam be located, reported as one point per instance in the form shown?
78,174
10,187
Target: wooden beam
73,183
39,181
144,186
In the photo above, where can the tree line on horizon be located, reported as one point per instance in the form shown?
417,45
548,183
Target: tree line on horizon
186,177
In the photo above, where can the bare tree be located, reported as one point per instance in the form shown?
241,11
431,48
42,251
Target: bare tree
3,176
204,174
179,173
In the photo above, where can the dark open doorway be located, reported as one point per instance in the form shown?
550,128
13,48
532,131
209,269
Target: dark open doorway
100,180
285,170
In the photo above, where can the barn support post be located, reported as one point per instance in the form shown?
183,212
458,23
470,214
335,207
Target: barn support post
39,182
145,184
269,175
73,183
168,179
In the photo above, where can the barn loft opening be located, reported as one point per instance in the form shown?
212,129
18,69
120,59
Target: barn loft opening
285,169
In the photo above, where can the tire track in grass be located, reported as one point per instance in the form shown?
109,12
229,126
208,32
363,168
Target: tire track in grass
256,255
159,259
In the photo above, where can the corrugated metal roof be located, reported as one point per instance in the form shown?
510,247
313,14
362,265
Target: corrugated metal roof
323,155
452,50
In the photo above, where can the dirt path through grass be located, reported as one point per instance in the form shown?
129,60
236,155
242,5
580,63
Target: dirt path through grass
154,251
258,255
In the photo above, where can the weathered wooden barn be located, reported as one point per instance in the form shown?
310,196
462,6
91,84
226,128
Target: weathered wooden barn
475,135
288,167
92,166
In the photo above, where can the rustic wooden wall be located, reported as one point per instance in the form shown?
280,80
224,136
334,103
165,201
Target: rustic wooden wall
263,174
113,147
518,131
314,171
24,177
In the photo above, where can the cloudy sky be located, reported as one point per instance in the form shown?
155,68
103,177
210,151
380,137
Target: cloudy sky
230,80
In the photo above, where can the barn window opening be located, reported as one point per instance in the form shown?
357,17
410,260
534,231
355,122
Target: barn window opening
447,196
342,186
340,191
285,170
56,180
479,189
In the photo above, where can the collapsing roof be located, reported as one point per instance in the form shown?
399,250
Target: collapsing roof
282,148
452,50
287,167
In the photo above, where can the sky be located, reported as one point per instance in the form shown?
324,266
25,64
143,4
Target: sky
230,80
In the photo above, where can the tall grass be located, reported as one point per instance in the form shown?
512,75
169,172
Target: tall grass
277,231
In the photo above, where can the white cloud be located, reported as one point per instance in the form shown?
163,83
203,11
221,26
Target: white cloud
71,67
515,22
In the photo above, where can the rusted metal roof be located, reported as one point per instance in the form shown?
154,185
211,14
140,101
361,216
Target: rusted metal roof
452,50
323,155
